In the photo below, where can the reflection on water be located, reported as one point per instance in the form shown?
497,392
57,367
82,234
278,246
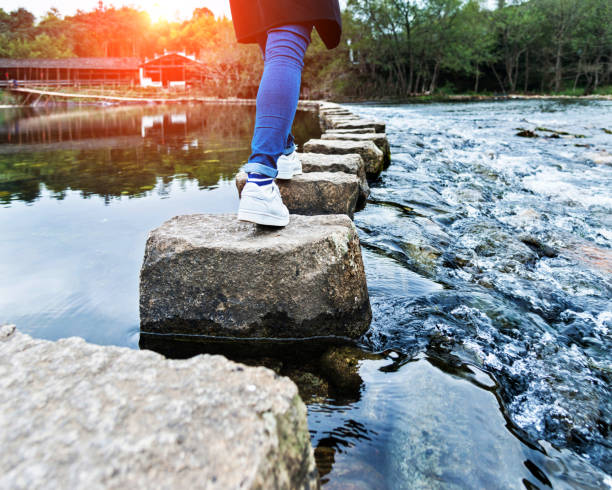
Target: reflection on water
124,151
80,190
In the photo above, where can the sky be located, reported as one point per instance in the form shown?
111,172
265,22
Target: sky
157,9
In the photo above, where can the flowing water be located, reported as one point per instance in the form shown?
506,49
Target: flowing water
488,257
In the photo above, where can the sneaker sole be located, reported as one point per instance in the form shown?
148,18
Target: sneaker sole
288,176
262,218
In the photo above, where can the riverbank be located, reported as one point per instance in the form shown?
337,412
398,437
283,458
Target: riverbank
33,96
419,99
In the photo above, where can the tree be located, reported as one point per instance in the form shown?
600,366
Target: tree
559,19
517,28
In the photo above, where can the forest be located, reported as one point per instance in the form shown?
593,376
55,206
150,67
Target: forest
389,49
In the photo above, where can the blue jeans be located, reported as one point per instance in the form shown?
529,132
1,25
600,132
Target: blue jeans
277,98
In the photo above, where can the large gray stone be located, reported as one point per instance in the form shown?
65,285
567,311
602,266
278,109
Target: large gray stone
340,117
325,105
351,163
361,130
372,156
327,111
82,416
214,275
379,139
317,192
346,123
335,112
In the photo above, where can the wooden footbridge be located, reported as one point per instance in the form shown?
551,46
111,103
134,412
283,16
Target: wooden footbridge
33,96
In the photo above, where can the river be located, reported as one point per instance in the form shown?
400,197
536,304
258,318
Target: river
488,257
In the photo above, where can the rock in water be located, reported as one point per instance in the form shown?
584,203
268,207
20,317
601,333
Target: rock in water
346,123
360,130
351,163
317,192
77,415
372,156
214,275
379,139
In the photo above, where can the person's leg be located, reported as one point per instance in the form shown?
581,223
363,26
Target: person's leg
290,145
277,99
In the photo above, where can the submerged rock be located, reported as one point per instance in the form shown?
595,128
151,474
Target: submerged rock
214,275
527,133
600,157
341,367
372,156
351,163
450,430
77,415
315,193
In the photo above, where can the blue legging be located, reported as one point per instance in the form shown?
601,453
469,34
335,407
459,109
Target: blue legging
277,98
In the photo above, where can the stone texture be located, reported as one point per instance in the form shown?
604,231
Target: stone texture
317,192
351,163
363,130
372,156
379,139
336,117
82,416
214,275
325,105
335,112
343,123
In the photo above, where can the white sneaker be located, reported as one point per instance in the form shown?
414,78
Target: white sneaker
288,166
263,204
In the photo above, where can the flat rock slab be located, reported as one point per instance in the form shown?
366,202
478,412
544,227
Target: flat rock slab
206,274
335,111
351,163
317,192
82,416
363,130
379,139
372,156
345,123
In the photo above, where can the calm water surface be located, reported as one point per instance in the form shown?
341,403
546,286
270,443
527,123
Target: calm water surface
488,259
80,190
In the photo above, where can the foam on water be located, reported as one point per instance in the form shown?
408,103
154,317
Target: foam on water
523,247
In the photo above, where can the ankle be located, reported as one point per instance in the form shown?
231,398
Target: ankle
259,179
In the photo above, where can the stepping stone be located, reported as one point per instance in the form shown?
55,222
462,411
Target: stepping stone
210,274
78,415
379,126
317,192
372,156
308,105
335,112
379,139
351,163
324,105
364,130
332,118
